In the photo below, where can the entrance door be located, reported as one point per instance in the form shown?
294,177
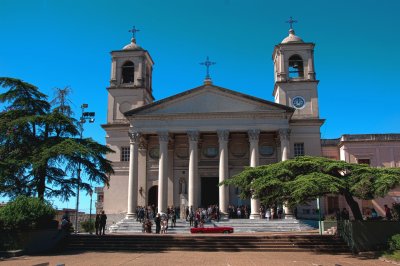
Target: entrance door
153,196
209,191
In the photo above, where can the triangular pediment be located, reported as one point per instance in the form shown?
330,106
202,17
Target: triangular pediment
208,99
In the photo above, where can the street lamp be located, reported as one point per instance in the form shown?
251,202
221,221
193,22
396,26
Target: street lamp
89,116
319,216
90,212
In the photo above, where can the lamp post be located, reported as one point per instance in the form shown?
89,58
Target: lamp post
90,209
89,116
319,216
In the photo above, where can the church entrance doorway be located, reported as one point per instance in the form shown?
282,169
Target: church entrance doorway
153,196
209,191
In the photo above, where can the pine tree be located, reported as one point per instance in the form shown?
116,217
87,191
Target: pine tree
40,147
305,178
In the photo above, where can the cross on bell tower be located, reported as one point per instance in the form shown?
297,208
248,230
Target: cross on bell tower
133,31
207,63
291,21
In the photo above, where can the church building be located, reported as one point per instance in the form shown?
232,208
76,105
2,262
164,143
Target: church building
176,150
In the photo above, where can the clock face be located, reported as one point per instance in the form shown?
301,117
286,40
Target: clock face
298,102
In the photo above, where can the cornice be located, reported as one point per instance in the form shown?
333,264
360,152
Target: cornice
229,115
291,81
307,121
116,125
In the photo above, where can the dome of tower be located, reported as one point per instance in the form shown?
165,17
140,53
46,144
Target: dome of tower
292,38
132,46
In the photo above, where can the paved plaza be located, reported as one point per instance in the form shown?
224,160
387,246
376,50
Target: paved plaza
195,258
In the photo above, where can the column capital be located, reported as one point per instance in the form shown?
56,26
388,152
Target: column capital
223,134
254,134
193,135
163,136
134,136
142,143
284,134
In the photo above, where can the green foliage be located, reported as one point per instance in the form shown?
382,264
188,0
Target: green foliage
304,178
88,225
41,149
394,242
26,213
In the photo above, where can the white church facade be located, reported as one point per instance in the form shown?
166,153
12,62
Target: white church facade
176,150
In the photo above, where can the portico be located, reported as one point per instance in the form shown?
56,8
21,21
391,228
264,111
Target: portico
218,144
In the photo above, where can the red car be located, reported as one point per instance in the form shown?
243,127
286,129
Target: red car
221,229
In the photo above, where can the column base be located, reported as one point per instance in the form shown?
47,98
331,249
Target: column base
289,216
130,216
255,216
223,216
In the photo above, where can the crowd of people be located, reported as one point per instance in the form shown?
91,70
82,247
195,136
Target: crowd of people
200,216
99,224
148,215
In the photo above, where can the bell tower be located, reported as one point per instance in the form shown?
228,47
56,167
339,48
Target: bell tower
131,80
294,75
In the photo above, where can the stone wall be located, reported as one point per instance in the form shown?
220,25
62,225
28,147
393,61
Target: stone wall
367,235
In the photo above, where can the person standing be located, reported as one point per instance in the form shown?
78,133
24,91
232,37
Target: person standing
97,223
66,222
345,214
388,213
191,217
187,213
157,221
268,214
103,221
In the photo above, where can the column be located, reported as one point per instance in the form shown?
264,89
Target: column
170,190
133,174
163,138
193,165
254,161
114,72
139,74
223,138
310,63
142,173
284,135
282,69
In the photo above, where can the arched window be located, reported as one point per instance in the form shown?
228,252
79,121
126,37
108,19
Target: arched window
296,69
128,72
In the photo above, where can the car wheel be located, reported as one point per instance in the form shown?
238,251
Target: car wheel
226,232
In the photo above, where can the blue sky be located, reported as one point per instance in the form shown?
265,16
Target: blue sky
67,43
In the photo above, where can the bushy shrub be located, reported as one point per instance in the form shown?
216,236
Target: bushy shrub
394,242
88,225
26,213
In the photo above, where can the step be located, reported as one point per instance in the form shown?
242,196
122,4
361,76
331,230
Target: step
207,243
239,225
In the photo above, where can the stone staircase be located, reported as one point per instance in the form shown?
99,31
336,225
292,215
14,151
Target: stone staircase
209,242
129,226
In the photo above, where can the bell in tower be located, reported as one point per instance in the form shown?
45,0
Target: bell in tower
295,83
131,80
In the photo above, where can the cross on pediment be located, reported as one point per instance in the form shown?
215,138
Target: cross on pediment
207,63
